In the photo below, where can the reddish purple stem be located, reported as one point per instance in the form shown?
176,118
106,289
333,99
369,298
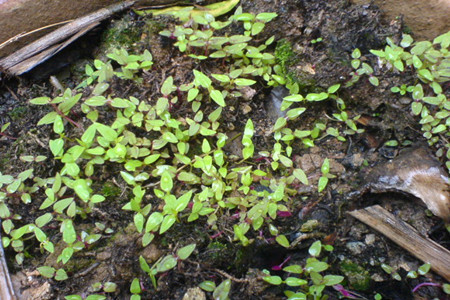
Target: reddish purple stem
345,292
425,284
284,214
280,266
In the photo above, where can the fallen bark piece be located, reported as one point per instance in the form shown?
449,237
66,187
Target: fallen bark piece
31,55
406,237
417,172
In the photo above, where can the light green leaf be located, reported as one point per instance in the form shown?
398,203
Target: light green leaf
205,146
266,17
166,182
46,271
222,291
221,77
56,146
183,201
96,101
81,188
168,221
128,178
48,118
301,176
316,97
333,89
294,98
139,222
167,86
217,97
153,221
167,263
330,280
296,269
43,220
295,112
244,82
135,287
192,94
201,79
257,27
315,249
417,92
282,240
207,285
107,132
244,17
275,280
61,275
68,231
325,166
89,134
186,251
323,181
280,123
294,281
40,100
170,137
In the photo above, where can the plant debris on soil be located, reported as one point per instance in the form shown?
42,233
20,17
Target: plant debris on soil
315,65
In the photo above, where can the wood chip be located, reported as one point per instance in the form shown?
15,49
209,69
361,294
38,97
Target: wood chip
406,237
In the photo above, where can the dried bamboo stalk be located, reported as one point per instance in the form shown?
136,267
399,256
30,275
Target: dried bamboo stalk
406,237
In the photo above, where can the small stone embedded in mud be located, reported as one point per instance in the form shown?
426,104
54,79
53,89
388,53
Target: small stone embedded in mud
358,230
151,253
405,100
311,162
245,108
369,239
354,161
247,93
104,255
308,162
195,293
415,171
355,247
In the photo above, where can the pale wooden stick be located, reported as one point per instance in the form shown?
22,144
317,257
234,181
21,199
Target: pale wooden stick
39,58
406,237
6,287
61,34
24,34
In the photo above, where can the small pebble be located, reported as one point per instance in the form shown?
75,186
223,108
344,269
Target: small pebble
370,239
195,293
355,247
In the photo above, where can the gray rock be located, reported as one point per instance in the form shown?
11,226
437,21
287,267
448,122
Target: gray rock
273,103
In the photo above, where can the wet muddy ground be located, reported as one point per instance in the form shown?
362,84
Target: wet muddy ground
358,250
